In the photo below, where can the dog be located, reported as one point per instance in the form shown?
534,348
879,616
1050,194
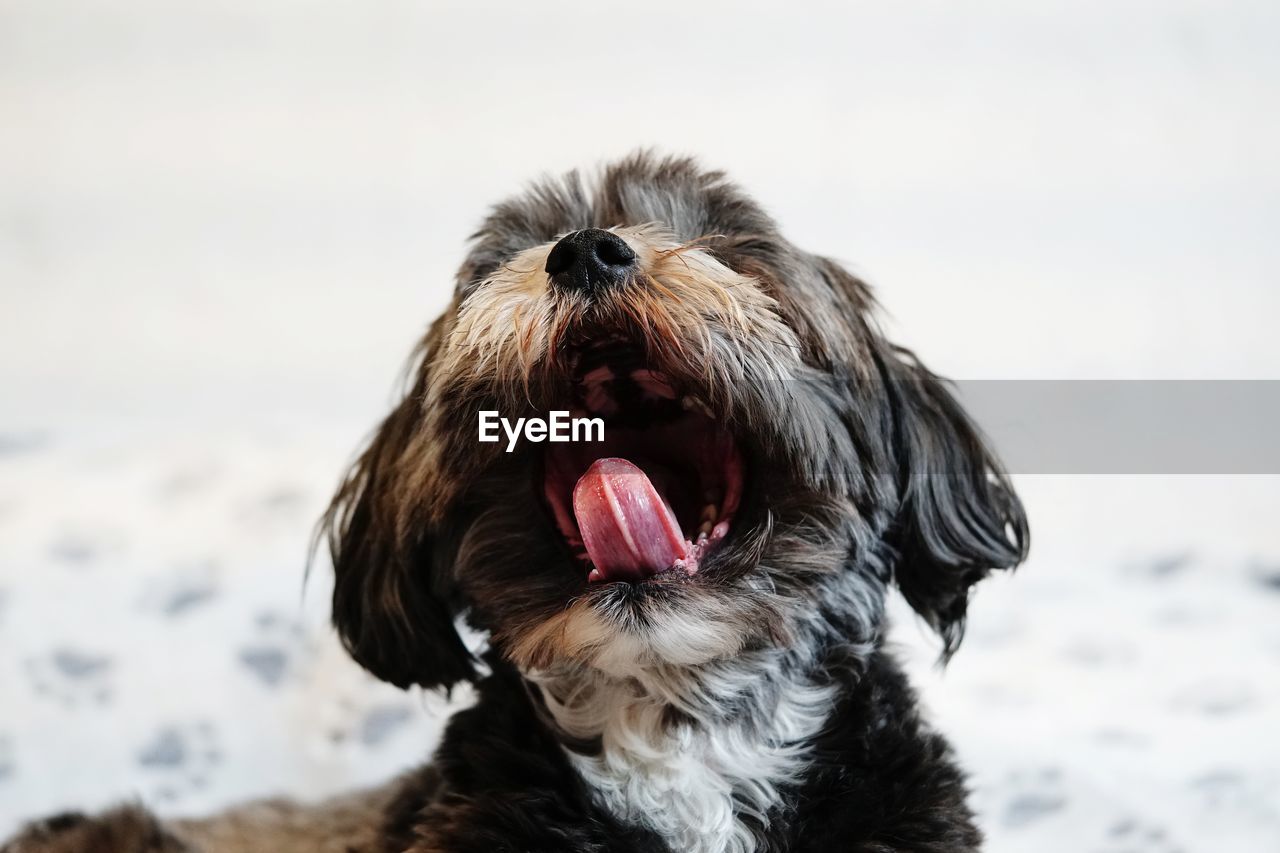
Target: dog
685,620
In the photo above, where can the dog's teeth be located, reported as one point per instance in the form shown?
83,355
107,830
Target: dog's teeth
690,403
709,515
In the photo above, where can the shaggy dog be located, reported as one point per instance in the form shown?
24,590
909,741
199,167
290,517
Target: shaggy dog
685,621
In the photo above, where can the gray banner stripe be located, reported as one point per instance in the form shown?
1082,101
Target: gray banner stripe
1129,426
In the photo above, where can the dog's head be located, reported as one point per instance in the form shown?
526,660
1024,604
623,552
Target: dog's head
769,465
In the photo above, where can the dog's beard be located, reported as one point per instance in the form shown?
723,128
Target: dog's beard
655,547
772,584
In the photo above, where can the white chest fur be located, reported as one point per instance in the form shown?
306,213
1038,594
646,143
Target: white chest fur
688,770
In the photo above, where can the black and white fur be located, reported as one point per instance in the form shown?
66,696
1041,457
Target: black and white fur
749,707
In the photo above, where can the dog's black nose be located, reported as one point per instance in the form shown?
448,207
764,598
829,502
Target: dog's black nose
590,260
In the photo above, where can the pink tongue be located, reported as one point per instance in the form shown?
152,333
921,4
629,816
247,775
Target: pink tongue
629,531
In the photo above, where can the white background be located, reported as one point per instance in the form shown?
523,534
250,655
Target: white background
223,225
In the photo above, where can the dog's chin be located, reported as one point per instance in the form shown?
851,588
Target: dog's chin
626,628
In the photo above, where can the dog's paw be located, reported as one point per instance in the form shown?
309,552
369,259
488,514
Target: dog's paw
128,829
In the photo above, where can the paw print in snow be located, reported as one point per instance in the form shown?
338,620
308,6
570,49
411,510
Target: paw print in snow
278,650
369,727
1131,835
179,759
1036,795
184,590
6,759
72,677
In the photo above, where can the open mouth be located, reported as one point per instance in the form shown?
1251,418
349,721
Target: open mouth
658,495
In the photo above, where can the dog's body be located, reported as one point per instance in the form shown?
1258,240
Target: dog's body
686,622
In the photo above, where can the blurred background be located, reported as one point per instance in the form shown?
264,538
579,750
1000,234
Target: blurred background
223,225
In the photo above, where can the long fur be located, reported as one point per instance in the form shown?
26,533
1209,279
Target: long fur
711,781
748,707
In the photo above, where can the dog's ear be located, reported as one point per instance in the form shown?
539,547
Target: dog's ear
391,597
958,516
